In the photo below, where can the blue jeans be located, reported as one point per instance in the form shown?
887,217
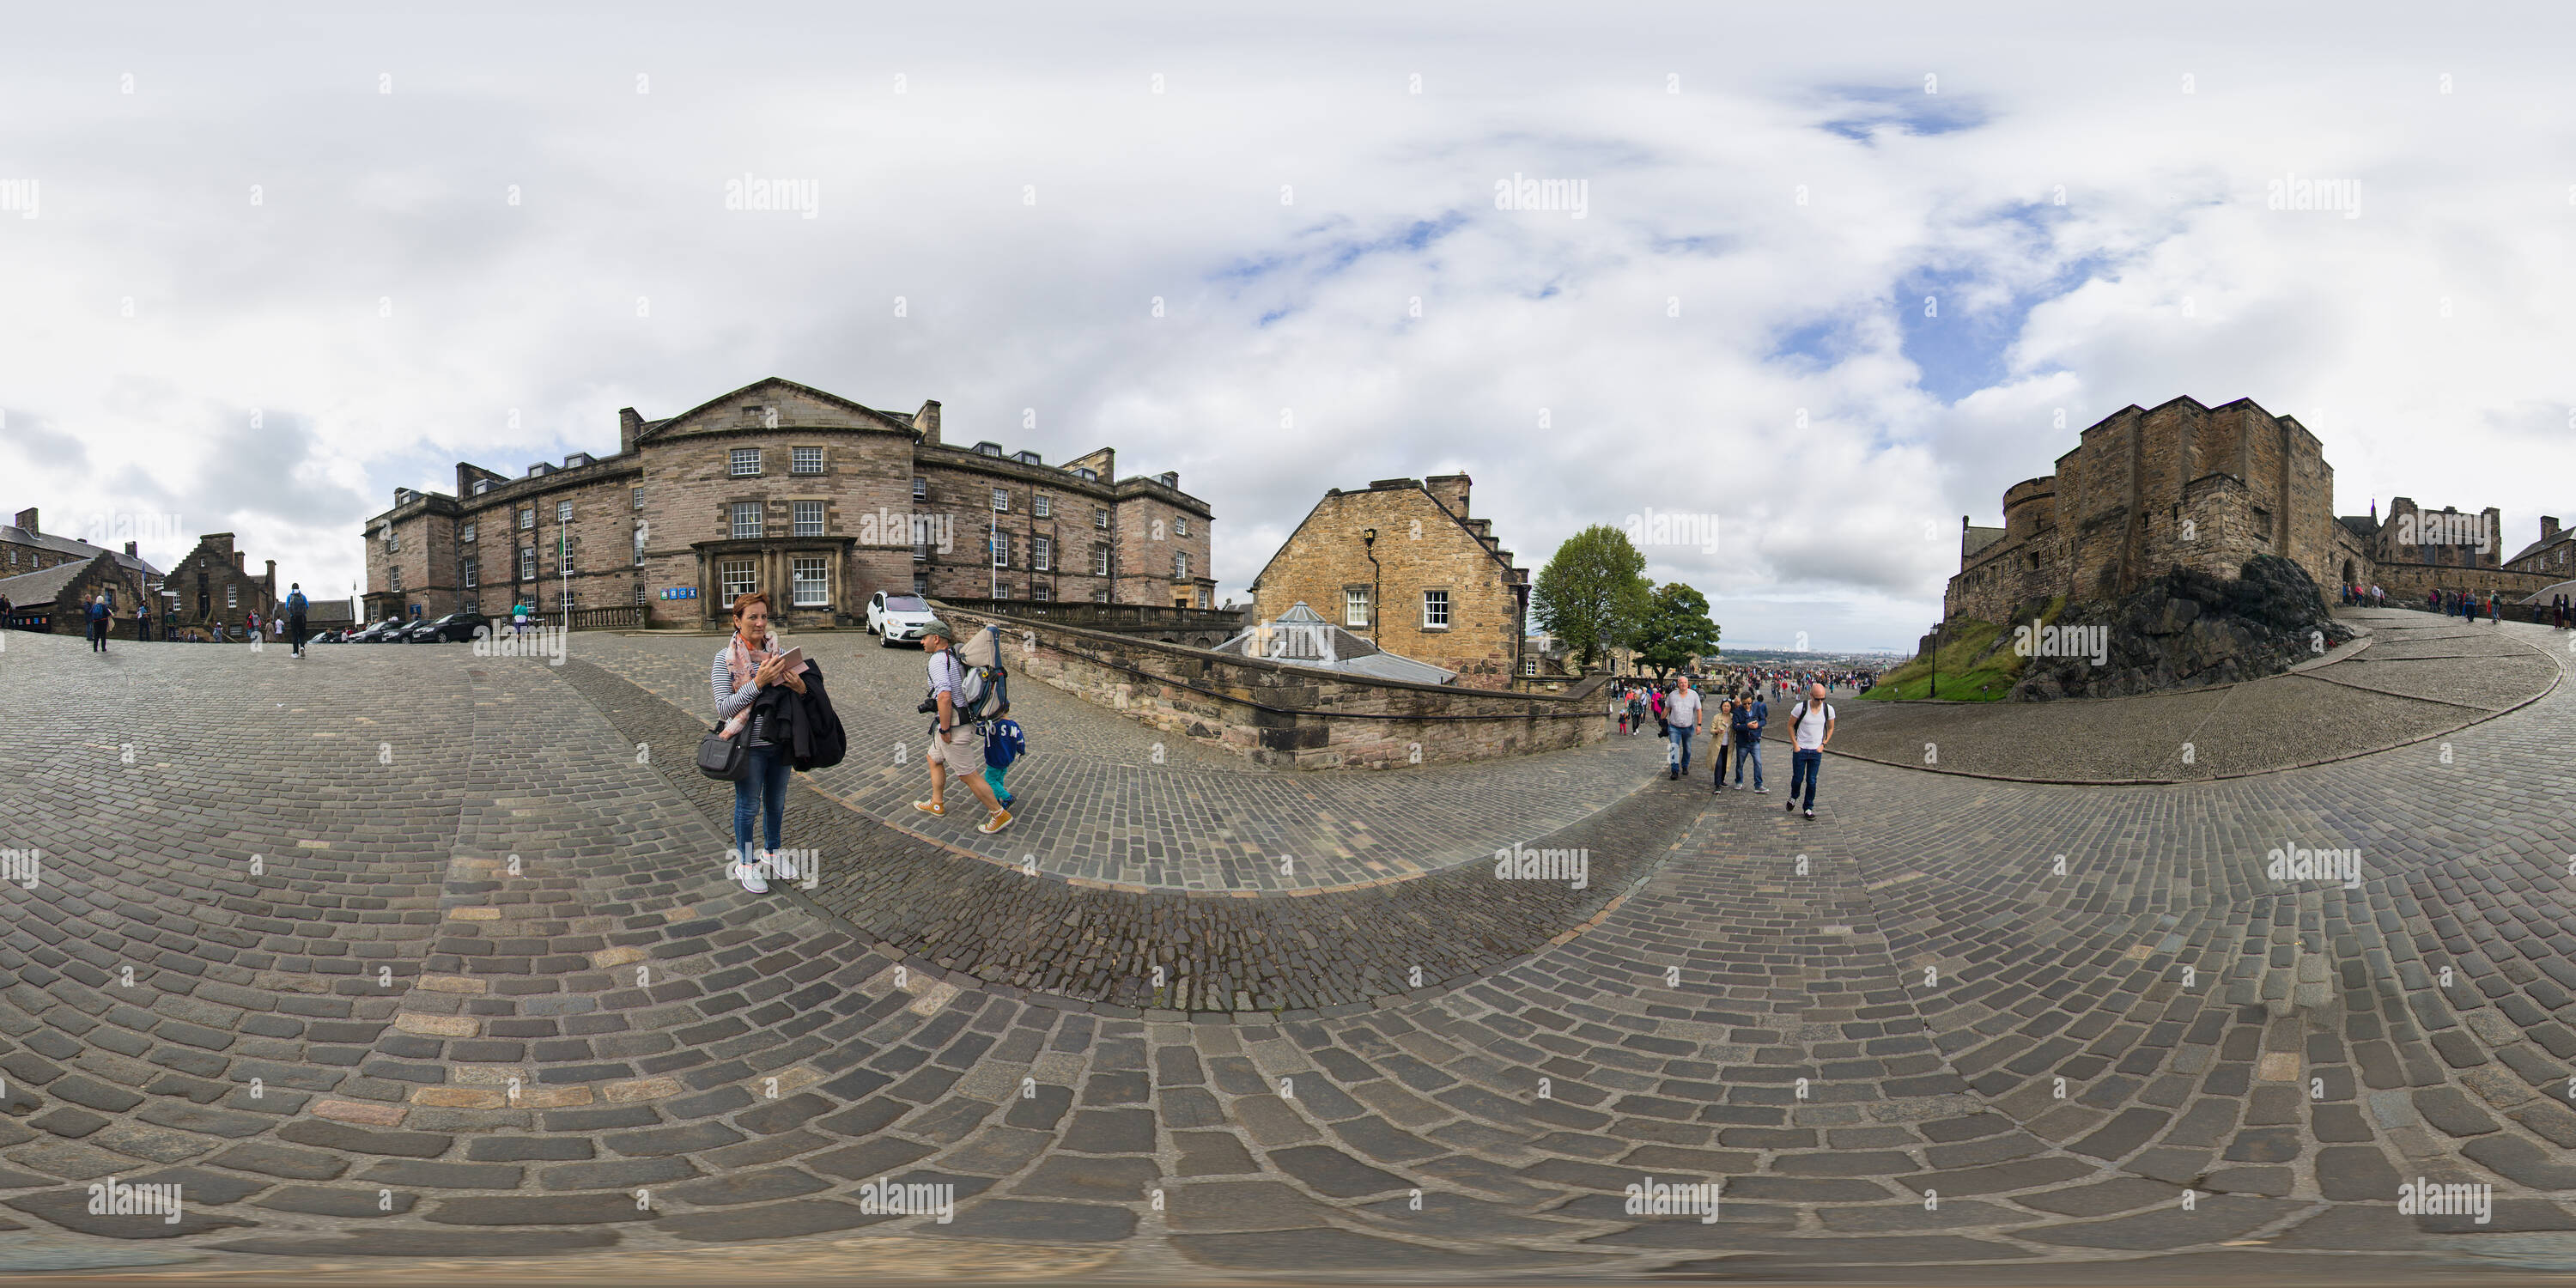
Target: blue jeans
1749,752
1807,765
1681,736
763,788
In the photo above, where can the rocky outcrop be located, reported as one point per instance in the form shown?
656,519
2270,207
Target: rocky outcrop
2184,630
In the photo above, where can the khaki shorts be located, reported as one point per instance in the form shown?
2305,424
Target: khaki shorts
962,751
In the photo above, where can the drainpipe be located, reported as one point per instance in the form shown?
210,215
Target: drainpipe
1377,581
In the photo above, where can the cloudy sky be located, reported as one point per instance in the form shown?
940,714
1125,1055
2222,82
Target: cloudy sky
1838,276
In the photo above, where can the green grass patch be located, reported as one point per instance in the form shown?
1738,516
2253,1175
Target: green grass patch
1976,660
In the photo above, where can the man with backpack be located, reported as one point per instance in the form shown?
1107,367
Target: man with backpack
963,692
102,619
295,616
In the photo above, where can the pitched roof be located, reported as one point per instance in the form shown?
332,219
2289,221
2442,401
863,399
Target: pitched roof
1301,637
68,546
2567,534
28,589
894,420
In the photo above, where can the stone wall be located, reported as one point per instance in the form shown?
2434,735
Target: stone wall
1292,717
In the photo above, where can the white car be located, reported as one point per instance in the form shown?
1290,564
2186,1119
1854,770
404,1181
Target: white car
897,618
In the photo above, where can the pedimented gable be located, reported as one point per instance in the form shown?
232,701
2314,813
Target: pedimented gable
778,403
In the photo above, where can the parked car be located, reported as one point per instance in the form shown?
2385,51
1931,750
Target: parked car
376,634
897,618
326,637
455,628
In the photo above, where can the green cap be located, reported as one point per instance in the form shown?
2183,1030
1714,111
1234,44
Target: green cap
939,628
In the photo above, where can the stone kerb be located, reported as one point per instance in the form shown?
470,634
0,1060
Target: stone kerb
1292,717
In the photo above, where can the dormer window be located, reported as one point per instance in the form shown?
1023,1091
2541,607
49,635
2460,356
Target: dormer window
1087,474
989,449
482,486
576,460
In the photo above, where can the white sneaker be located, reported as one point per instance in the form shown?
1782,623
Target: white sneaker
782,864
749,875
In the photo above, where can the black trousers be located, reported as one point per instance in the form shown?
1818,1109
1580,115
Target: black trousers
295,632
1721,741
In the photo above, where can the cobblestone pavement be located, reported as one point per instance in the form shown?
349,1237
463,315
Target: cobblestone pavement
483,994
1110,800
2417,677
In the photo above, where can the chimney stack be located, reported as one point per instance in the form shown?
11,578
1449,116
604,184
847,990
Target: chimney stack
927,421
1449,490
27,519
131,552
2548,526
272,579
237,563
629,425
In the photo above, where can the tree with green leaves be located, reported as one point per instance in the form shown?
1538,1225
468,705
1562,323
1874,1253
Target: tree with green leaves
1592,594
1675,629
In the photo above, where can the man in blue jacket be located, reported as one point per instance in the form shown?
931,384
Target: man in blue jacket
295,606
101,620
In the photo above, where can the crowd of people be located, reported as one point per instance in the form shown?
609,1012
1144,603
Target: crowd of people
2364,597
2465,603
1733,707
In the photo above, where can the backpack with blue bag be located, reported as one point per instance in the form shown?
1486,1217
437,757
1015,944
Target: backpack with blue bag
1004,743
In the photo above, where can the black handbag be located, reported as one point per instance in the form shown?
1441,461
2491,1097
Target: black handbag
721,758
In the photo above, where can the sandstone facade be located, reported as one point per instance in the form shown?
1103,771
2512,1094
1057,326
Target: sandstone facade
1441,588
779,487
214,585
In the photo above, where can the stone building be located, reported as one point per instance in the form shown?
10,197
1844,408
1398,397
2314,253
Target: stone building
818,500
1402,563
213,587
2145,492
25,547
2553,556
56,600
2208,488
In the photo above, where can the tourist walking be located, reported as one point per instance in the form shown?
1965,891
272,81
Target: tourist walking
1811,726
101,621
1636,711
143,621
749,662
1750,716
1681,719
956,744
295,608
1721,735
1655,702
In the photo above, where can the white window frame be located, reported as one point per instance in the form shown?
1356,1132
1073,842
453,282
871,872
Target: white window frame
738,457
796,521
756,511
232,594
231,602
1438,596
999,544
1041,554
810,592
527,563
639,498
563,511
731,586
1040,592
1180,525
639,544
1100,561
920,489
1355,606
1041,505
527,518
798,457
1099,519
1001,500
466,537
472,567
1180,565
